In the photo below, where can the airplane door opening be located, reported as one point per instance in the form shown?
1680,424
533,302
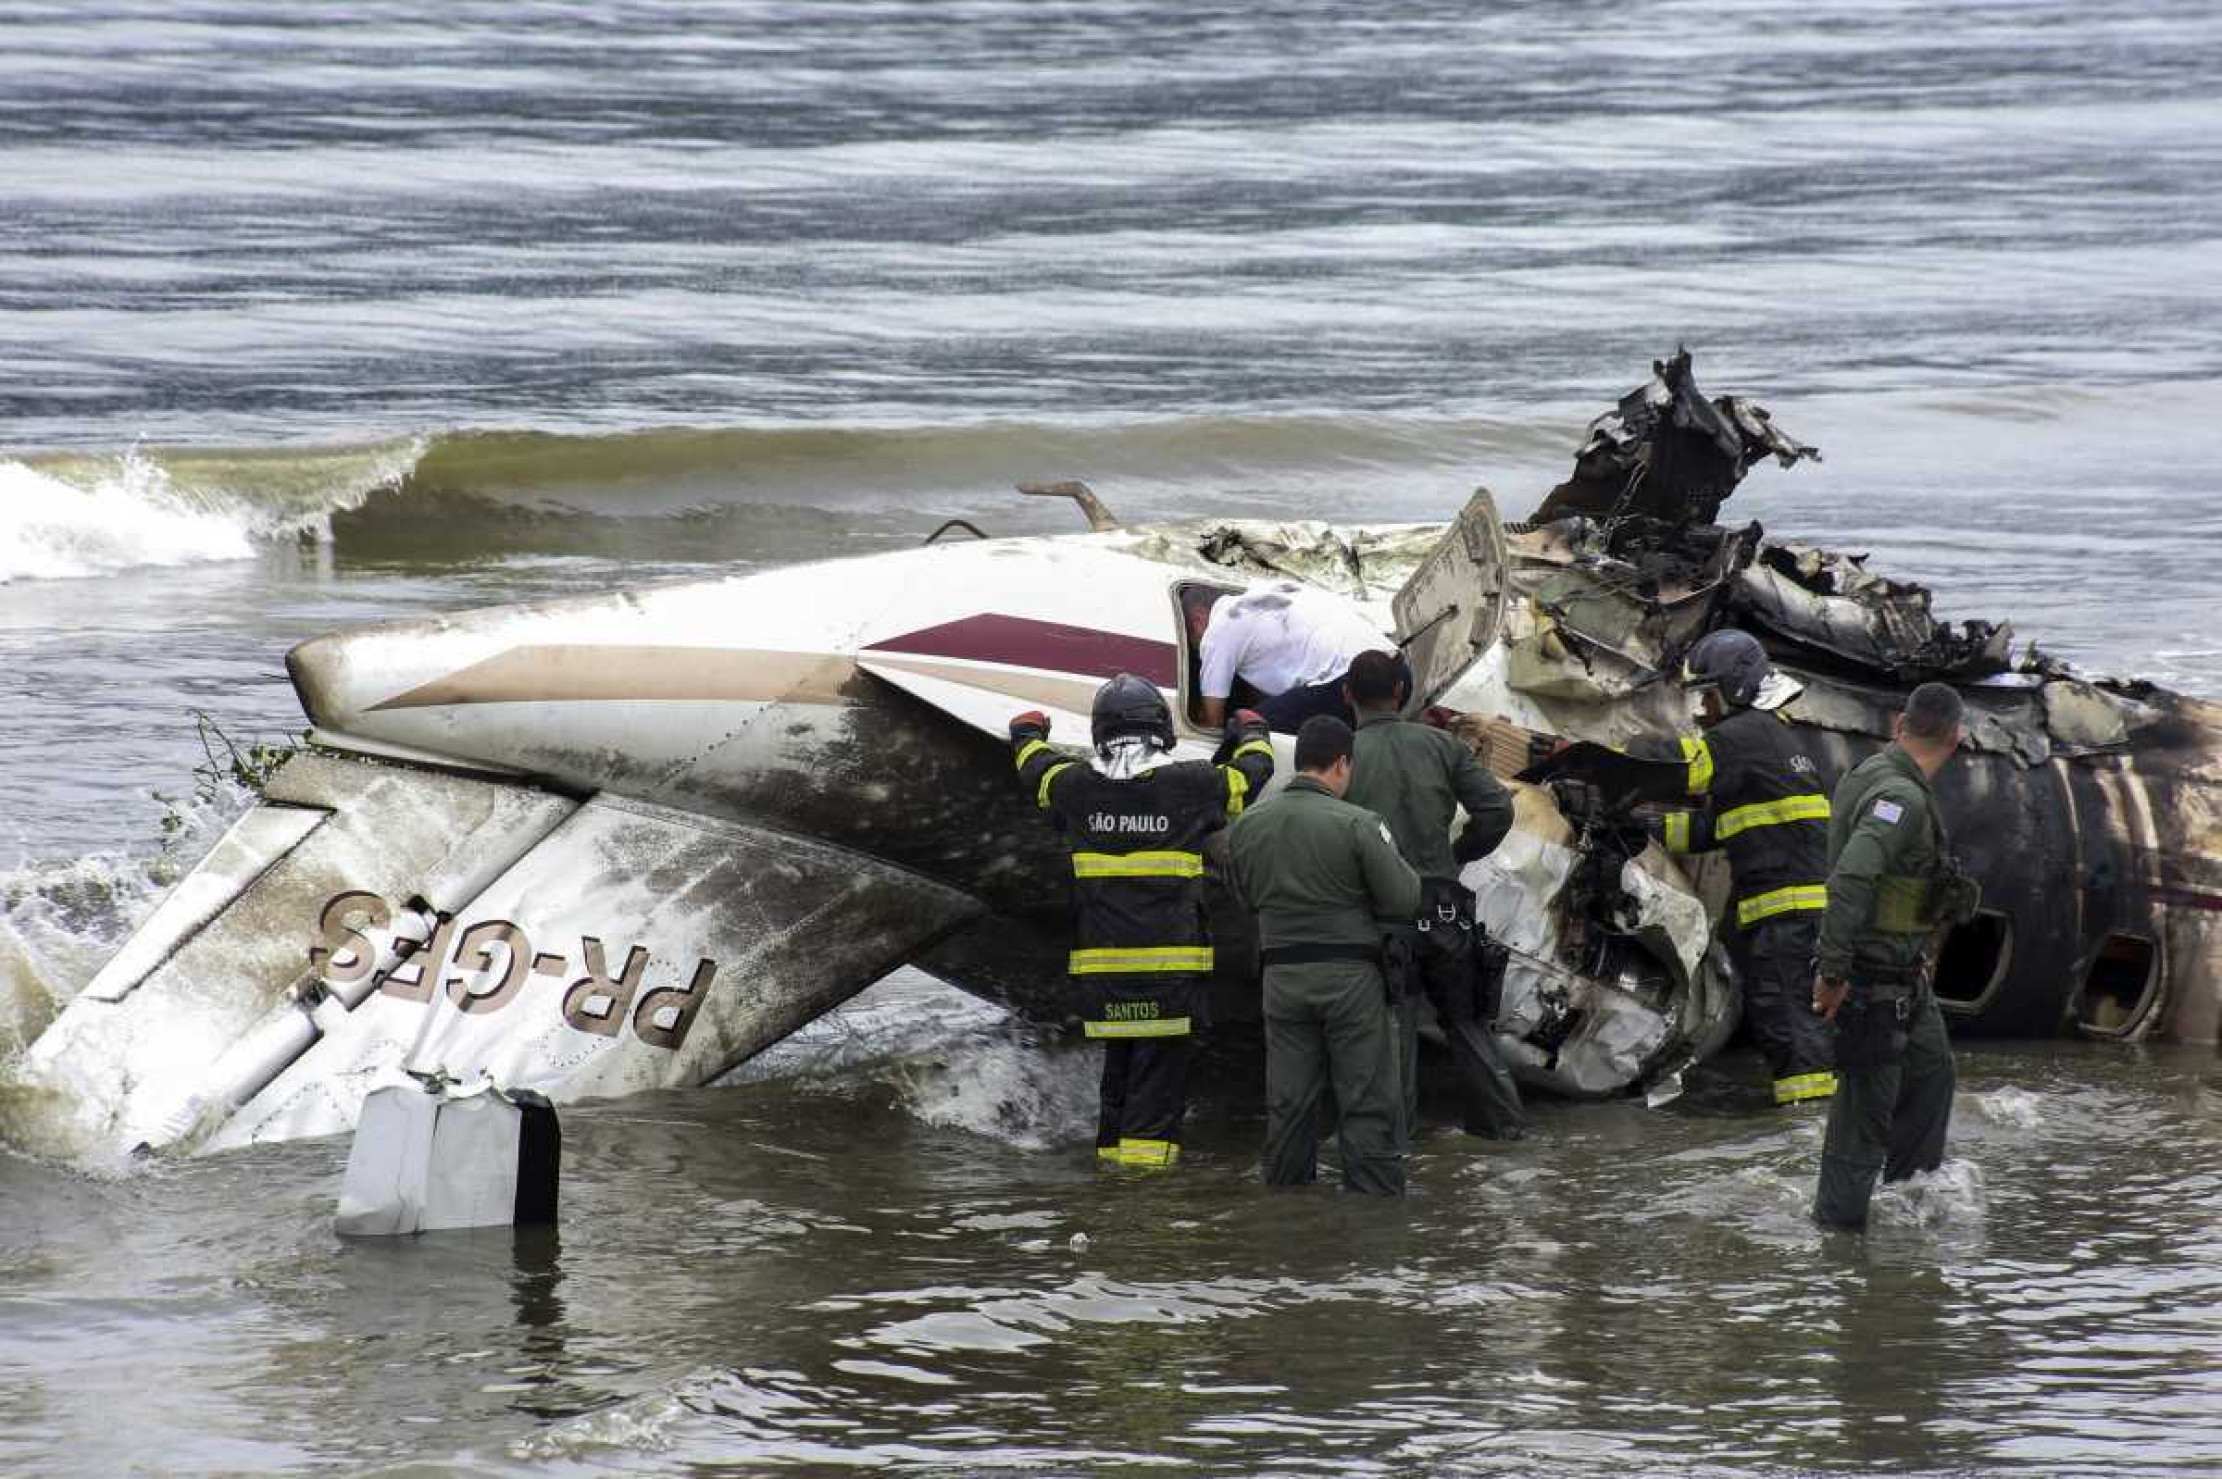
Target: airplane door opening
2118,988
1974,961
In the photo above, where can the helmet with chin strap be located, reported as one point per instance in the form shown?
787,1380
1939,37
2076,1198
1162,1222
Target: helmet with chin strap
1729,661
1126,706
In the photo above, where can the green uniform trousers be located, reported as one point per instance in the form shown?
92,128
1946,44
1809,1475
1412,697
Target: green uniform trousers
1328,1022
1440,963
1893,1103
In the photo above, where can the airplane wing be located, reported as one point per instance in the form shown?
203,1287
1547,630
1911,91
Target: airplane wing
985,698
368,919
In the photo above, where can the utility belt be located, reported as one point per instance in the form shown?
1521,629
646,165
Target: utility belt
1273,955
1897,987
1445,904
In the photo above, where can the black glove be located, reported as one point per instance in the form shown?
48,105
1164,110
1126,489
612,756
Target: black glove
1577,800
1031,725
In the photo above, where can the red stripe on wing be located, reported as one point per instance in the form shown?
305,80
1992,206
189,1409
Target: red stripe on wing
1023,642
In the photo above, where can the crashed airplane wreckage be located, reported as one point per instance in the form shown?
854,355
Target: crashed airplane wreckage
624,842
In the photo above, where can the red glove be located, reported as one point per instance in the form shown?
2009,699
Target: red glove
1033,724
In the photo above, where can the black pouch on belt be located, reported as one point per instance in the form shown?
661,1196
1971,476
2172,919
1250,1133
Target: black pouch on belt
1871,1033
1400,964
1490,958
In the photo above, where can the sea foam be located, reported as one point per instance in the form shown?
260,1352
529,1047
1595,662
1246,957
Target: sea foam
52,529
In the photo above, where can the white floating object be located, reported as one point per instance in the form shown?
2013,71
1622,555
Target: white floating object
434,1156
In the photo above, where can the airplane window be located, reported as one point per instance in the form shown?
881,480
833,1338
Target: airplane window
1975,959
2116,988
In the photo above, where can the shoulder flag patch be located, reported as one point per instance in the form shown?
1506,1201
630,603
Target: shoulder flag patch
1888,811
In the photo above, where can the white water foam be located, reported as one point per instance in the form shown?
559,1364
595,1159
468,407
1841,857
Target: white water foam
955,1061
1007,1087
2008,1108
60,921
51,529
1951,1196
90,518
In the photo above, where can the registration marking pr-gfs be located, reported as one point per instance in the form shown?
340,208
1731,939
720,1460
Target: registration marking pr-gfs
494,959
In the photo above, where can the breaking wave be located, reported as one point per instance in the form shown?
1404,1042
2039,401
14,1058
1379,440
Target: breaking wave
683,492
72,517
772,490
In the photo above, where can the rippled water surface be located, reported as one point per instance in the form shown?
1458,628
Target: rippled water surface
315,316
847,1272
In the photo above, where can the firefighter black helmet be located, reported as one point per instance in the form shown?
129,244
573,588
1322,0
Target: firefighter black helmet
1128,705
1730,661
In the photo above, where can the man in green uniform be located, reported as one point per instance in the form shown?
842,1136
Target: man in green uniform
1415,778
1891,885
1319,873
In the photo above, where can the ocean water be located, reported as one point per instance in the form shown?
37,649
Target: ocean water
311,317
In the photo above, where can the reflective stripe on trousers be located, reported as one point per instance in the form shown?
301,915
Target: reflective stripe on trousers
1149,1154
1143,1027
1801,1087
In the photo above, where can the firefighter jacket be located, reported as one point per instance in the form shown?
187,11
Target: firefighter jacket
1141,933
1415,778
1887,851
1766,802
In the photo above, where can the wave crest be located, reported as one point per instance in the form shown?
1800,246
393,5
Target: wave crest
66,518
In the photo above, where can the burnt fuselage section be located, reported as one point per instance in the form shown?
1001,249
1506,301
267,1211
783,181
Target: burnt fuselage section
2101,903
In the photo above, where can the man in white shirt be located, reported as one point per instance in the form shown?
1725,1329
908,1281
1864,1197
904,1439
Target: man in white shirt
1292,642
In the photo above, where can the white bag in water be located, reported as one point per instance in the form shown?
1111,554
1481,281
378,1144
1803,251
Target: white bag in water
428,1157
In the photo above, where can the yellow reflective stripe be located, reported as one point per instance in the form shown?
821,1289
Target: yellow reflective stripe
1107,1153
1251,747
1029,750
1803,1086
1107,962
1811,807
1678,831
1041,793
1238,792
1700,756
1138,865
1149,1027
1782,901
1155,1154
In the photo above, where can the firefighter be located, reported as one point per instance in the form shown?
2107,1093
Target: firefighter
1766,802
1135,819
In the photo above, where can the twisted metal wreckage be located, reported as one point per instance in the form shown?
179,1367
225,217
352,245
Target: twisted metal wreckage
626,841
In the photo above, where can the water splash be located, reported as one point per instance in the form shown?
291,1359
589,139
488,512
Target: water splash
52,529
59,921
1008,1087
66,518
2011,1109
1951,1196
